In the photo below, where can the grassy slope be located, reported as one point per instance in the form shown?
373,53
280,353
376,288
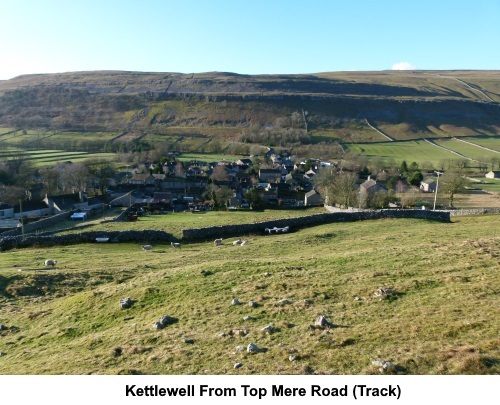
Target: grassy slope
446,319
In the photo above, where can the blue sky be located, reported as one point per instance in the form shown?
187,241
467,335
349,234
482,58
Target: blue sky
252,37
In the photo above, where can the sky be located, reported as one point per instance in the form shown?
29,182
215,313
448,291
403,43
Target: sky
247,37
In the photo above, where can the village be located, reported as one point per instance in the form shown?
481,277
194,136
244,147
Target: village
272,181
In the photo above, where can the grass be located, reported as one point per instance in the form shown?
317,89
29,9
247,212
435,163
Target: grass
488,142
209,157
465,149
444,318
174,222
410,151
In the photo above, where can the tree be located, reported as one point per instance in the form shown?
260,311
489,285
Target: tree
338,188
101,170
403,168
451,183
344,189
254,199
415,179
409,198
75,177
219,173
12,194
179,169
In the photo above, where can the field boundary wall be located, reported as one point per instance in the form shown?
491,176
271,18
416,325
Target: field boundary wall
225,231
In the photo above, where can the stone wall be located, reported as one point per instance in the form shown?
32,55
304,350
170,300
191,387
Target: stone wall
150,237
40,224
455,213
312,220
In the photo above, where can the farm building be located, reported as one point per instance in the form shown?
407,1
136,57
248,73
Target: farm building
312,198
428,185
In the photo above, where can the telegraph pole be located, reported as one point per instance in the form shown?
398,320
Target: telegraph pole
436,192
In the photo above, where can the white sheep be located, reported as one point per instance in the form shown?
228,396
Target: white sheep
50,262
175,245
147,247
237,242
218,242
243,243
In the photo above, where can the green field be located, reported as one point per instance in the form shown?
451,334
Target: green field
47,156
6,130
470,151
488,142
174,222
209,157
442,316
412,151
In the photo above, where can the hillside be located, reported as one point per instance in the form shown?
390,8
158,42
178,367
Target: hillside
326,107
441,316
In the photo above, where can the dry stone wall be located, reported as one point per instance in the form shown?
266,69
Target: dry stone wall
11,242
312,220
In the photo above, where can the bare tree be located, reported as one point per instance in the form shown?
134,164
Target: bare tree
75,177
452,182
219,173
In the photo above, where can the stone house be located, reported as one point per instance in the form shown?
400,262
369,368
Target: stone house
312,198
270,175
428,185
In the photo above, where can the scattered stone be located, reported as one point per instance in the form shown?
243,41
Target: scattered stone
308,302
13,328
384,293
357,298
248,318
252,348
126,302
322,322
268,329
190,341
253,304
3,327
238,365
326,332
267,274
292,357
235,302
164,321
383,365
239,332
206,272
239,349
222,335
283,302
117,352
3,354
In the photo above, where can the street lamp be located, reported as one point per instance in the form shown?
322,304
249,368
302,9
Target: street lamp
436,192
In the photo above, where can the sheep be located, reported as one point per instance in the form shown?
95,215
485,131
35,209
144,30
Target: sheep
175,245
237,242
243,243
50,262
218,242
147,247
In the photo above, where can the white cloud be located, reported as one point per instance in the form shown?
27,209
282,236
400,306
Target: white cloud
403,66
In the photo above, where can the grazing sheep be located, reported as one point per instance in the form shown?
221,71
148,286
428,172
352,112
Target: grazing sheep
237,242
218,242
50,262
147,247
175,245
243,243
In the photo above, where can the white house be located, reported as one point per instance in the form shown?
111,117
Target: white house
494,174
